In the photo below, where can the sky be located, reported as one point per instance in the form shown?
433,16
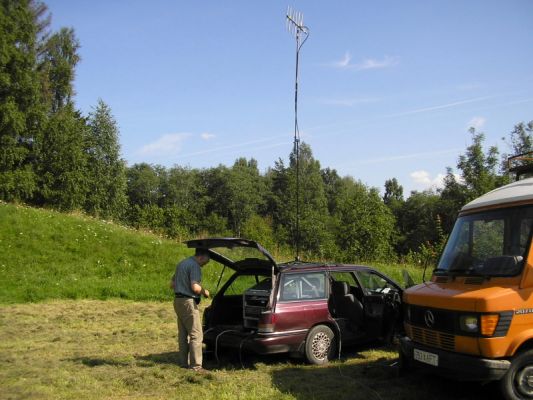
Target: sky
387,89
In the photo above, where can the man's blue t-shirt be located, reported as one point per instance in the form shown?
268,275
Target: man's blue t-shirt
187,272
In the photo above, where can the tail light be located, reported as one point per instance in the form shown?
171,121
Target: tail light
267,322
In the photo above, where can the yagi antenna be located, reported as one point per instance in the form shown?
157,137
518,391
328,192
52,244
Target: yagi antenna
295,25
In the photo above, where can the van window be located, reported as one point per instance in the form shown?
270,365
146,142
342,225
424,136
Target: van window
492,243
303,286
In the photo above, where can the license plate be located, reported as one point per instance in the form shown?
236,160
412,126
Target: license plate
426,358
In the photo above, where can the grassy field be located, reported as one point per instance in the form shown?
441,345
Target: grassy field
117,349
85,313
49,255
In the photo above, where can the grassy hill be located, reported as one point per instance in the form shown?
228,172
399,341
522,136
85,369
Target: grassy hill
48,255
45,254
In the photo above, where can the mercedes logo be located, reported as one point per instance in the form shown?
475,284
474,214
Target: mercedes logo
429,318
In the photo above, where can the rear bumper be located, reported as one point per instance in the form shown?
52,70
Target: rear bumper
455,365
260,343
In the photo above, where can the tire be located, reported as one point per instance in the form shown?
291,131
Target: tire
517,383
404,366
320,345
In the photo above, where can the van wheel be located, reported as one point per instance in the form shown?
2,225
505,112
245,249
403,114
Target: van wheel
320,345
517,383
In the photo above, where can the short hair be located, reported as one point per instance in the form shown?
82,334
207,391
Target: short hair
201,252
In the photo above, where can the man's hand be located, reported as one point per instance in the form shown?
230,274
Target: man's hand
206,293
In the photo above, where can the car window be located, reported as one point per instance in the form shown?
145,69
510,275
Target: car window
345,277
303,286
373,283
242,283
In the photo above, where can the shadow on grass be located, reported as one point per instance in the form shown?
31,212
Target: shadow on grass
169,358
96,362
374,380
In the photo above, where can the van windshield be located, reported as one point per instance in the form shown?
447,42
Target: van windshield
491,243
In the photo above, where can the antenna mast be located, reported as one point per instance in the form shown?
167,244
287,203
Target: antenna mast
295,25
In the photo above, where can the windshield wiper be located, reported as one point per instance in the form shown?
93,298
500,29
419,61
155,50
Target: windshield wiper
441,271
465,271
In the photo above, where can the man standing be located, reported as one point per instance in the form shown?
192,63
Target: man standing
186,283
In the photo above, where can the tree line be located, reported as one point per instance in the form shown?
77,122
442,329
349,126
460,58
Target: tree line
51,155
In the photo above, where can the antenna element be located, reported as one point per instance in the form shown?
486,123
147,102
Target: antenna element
295,25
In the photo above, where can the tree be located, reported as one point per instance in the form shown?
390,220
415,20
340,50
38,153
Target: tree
333,185
245,193
418,221
62,162
393,192
57,65
144,184
520,142
479,170
314,235
521,138
365,225
106,195
21,110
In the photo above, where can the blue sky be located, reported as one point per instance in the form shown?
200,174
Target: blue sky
387,88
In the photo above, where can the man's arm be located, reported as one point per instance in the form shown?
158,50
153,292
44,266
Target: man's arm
197,289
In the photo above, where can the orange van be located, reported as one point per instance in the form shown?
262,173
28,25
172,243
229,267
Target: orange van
474,319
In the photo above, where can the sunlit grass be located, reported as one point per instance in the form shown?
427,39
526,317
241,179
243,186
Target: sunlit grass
116,349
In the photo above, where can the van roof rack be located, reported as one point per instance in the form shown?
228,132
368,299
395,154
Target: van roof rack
521,164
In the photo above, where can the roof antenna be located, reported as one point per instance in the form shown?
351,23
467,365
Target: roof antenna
295,25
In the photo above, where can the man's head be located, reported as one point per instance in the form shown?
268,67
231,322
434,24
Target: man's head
202,256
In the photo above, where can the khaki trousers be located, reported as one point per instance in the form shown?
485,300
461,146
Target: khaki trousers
190,335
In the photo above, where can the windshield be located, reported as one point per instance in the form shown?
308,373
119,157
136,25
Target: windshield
492,243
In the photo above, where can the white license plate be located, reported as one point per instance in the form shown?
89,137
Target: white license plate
427,358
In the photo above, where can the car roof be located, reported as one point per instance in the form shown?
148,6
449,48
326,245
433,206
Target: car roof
299,266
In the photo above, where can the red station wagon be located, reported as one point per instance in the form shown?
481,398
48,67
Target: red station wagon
305,309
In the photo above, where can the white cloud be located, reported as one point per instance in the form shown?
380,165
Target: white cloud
166,144
423,180
207,136
477,123
370,63
345,62
367,63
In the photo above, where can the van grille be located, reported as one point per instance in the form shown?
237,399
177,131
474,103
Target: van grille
431,338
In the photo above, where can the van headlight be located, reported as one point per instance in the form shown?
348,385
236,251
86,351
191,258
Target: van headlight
469,323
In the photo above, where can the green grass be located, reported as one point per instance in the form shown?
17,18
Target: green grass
48,255
116,349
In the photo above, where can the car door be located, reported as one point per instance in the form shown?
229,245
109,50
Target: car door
302,301
381,303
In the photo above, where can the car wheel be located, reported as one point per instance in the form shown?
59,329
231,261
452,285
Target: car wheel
517,383
320,345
